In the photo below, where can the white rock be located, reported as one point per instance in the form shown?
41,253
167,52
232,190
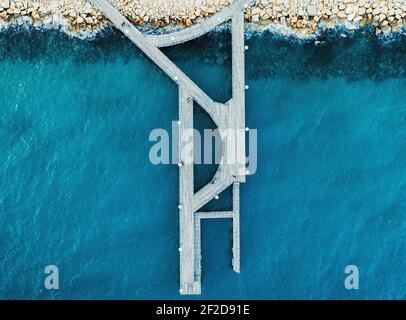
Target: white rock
351,16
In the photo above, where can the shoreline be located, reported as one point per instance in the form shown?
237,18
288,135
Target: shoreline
302,19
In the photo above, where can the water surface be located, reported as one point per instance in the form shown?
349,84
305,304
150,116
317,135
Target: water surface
77,189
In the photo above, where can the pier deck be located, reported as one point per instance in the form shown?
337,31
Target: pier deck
228,117
197,30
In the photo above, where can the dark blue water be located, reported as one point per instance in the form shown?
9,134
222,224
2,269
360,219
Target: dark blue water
77,189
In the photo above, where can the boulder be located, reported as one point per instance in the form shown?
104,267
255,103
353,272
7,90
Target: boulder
351,16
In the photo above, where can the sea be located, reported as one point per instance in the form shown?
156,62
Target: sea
78,190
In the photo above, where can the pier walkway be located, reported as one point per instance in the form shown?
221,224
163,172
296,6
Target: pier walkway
197,30
228,117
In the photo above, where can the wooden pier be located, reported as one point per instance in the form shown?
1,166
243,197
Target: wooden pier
228,117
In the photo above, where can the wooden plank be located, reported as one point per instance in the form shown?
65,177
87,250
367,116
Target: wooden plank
186,191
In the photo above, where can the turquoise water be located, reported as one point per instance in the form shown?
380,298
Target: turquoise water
77,189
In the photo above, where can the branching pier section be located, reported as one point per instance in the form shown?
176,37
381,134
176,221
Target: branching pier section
228,117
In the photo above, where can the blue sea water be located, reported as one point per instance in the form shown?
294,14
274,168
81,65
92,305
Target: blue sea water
77,189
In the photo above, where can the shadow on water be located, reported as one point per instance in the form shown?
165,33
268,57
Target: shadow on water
355,56
273,56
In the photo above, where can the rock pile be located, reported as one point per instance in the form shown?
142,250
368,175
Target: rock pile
301,16
80,15
306,16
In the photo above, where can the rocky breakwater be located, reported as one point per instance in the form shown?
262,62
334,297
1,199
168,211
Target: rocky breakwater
302,17
307,16
78,16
